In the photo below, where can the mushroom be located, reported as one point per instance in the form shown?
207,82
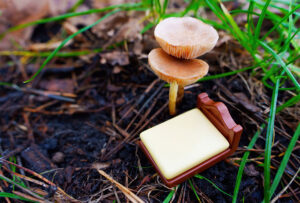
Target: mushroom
177,72
185,37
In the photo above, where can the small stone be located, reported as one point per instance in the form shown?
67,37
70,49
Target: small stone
58,157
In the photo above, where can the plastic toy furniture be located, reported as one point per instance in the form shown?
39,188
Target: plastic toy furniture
191,142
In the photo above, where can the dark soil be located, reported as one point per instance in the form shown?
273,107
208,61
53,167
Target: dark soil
84,132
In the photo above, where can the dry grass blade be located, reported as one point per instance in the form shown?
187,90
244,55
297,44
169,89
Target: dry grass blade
132,197
285,188
24,189
27,196
59,192
26,178
47,46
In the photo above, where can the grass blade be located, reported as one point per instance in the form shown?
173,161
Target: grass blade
269,140
285,160
280,61
221,75
259,23
250,19
288,41
213,23
166,2
68,15
231,21
213,184
157,6
194,190
76,5
170,195
243,163
290,102
66,40
14,196
21,187
147,27
59,54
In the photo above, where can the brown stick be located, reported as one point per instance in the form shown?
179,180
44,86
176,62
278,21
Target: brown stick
130,195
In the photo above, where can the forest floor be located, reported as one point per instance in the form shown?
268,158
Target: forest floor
85,113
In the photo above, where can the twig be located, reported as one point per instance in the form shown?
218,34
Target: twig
67,97
22,188
29,129
141,98
146,113
285,188
26,178
27,196
15,151
145,105
151,118
6,198
116,195
59,190
132,197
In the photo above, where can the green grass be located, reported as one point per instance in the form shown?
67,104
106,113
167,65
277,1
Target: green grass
285,160
274,53
20,186
276,69
194,190
170,195
70,15
213,184
14,196
243,163
269,140
50,57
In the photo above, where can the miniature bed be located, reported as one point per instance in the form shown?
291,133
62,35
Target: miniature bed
191,142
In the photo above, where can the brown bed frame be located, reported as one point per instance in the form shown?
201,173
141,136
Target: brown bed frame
219,115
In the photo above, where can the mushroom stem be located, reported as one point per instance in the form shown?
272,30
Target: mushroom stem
172,97
180,94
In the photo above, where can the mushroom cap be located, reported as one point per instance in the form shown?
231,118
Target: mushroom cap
185,37
170,69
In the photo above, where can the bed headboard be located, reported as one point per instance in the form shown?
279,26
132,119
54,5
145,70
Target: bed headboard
219,115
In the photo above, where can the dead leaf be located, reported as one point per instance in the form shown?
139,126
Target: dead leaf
129,31
47,46
85,19
71,29
58,85
223,38
116,58
57,7
105,3
243,100
111,23
16,12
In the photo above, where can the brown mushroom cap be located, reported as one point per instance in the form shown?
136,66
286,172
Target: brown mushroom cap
185,37
171,69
